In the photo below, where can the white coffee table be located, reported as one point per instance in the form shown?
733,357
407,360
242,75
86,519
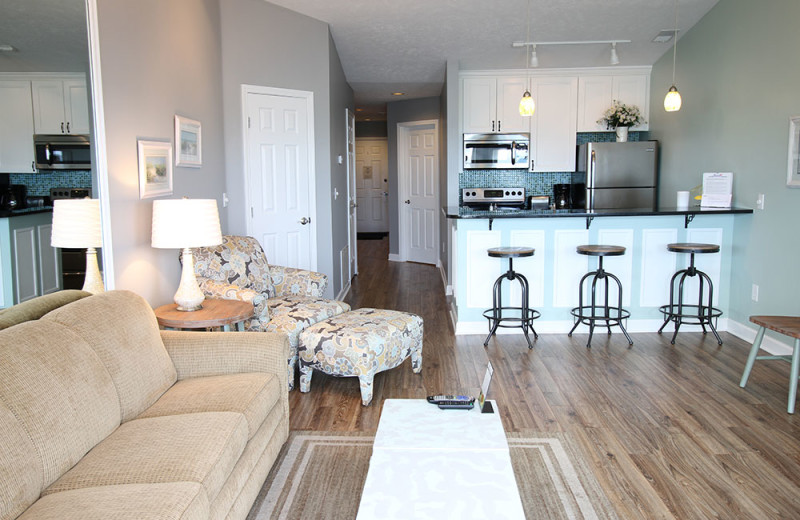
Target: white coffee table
439,464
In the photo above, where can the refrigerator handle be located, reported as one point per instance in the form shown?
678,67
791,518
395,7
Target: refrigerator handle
590,181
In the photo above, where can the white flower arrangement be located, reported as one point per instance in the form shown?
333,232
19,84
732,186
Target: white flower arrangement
620,114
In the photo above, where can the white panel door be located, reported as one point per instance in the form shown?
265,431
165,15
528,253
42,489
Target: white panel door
509,92
16,132
479,105
634,90
372,184
554,124
48,107
76,105
569,266
594,97
422,177
26,269
658,266
279,178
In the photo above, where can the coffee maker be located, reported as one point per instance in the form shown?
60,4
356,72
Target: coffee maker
562,196
12,196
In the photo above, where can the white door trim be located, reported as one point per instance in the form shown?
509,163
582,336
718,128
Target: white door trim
403,129
352,212
312,170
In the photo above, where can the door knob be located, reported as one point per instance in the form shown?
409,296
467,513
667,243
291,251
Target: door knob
304,221
407,201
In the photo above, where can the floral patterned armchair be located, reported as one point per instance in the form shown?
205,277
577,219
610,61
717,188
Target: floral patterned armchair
286,299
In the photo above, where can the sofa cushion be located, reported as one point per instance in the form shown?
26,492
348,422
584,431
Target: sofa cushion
38,307
253,395
173,500
199,447
20,467
58,390
122,329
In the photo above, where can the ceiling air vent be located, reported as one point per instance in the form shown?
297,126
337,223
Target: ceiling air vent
664,36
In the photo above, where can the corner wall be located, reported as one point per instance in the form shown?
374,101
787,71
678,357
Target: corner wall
737,72
158,59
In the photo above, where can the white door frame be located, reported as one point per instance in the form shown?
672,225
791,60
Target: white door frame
312,171
403,129
352,208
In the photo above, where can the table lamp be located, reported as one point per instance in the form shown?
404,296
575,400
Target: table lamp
76,223
183,224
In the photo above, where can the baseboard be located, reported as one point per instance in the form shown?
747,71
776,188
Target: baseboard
448,289
453,315
394,258
343,293
768,344
564,326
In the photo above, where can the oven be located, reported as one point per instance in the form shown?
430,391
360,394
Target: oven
504,199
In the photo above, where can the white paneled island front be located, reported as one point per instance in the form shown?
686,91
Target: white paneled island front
555,270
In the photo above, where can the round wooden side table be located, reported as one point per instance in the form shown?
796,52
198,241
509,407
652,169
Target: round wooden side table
214,314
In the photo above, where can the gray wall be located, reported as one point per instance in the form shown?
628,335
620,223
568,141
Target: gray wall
336,226
267,45
737,71
146,81
403,112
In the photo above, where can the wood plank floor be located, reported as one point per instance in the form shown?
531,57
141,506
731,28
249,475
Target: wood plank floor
667,429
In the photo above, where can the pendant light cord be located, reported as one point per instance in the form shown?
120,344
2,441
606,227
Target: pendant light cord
675,43
528,47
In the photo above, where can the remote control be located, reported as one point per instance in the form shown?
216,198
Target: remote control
436,399
457,405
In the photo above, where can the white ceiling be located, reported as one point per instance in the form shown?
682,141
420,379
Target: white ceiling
400,45
403,45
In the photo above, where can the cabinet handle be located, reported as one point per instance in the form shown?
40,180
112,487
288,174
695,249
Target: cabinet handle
498,125
62,127
492,126
68,127
33,166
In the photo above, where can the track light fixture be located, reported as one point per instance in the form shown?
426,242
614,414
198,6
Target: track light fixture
534,57
614,55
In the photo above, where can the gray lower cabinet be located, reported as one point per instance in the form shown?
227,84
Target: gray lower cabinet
30,266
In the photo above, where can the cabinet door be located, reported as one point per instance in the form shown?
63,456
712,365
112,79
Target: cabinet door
16,131
594,98
48,106
509,92
76,104
479,105
49,272
26,271
634,90
554,123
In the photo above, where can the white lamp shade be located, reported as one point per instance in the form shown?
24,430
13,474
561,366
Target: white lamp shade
182,223
76,223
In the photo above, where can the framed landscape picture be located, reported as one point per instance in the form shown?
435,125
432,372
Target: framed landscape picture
188,142
793,173
155,168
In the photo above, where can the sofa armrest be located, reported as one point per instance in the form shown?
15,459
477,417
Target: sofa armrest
200,354
227,291
289,281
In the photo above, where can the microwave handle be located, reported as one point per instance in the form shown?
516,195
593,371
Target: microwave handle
47,154
513,153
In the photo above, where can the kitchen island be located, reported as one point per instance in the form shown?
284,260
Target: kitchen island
555,270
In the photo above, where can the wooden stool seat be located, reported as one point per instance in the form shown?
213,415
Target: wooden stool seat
689,247
511,252
594,250
786,325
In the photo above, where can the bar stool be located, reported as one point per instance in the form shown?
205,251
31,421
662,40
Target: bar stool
593,313
789,326
522,316
696,314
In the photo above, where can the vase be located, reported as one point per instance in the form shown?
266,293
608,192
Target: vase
622,134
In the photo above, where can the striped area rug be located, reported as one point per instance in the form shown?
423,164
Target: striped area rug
320,475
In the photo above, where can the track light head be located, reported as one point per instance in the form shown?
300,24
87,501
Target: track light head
614,55
534,57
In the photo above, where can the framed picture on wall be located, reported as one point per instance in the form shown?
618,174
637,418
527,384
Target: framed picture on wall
155,168
793,174
188,141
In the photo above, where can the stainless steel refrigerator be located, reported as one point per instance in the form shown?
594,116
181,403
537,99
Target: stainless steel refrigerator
617,175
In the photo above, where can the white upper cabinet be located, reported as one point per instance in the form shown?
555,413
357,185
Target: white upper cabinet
596,93
60,106
491,105
16,130
553,124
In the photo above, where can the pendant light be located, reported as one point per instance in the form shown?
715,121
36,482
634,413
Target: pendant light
672,101
526,104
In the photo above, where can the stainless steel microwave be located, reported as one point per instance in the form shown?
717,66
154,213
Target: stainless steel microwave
62,152
496,151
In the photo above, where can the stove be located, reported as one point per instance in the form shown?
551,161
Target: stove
70,193
493,198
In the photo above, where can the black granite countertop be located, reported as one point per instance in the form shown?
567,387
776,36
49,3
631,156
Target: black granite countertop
459,212
7,213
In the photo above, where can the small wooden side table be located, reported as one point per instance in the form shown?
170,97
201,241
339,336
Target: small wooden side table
214,314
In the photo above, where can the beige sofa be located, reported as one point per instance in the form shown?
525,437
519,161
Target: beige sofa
102,415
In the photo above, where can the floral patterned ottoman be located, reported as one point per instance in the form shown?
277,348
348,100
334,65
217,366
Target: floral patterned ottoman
360,343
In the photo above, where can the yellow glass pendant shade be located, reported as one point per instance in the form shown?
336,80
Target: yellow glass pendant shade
672,101
526,105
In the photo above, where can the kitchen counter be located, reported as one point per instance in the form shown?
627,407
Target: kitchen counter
460,212
6,213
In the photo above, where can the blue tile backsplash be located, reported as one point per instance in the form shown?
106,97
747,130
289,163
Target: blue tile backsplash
534,183
40,183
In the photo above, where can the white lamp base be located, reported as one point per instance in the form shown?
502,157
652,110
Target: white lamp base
93,281
189,297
